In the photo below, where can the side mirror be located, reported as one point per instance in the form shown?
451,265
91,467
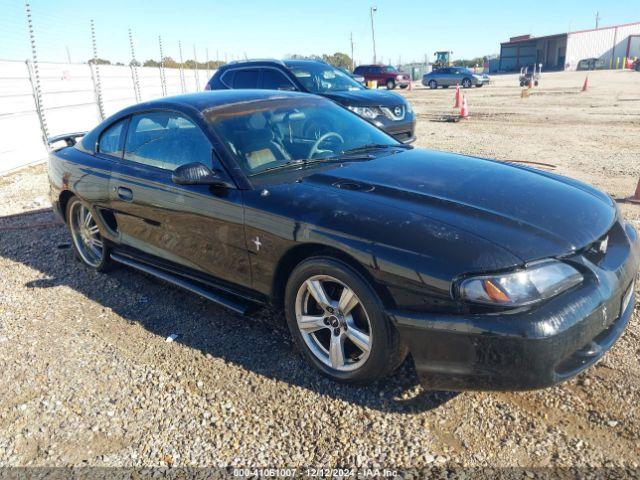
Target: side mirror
198,174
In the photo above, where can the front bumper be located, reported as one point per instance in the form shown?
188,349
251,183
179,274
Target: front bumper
401,130
530,349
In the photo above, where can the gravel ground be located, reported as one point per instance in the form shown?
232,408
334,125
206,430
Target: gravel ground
88,378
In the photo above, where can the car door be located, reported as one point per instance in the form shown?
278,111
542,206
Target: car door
376,74
453,77
441,75
198,227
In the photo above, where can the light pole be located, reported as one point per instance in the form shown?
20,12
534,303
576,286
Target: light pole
353,61
373,32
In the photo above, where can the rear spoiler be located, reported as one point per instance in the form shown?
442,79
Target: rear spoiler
68,138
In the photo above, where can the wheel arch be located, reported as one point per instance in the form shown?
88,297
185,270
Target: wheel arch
301,252
63,201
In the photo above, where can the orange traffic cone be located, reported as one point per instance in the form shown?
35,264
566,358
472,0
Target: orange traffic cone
464,110
635,198
458,98
585,86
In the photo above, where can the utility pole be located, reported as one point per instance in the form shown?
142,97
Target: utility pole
373,32
597,20
353,62
195,71
68,54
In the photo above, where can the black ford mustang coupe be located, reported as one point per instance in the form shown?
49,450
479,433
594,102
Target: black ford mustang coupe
492,275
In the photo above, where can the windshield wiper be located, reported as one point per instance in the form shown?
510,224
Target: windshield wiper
348,157
377,146
301,163
290,163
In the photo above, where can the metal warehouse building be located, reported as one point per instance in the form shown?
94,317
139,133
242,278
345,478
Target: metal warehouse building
563,51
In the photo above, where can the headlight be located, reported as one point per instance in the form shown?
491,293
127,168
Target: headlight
524,287
399,77
365,112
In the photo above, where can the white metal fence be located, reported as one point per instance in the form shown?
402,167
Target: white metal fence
69,100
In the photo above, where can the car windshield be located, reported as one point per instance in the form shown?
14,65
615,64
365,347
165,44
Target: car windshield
319,78
285,132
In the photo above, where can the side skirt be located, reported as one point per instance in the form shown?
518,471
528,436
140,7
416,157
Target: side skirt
236,305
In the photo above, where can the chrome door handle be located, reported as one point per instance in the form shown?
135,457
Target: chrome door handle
125,194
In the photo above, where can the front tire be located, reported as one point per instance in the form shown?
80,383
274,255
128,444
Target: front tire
391,84
338,322
88,245
466,83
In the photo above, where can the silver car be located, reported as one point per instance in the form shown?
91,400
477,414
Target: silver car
451,76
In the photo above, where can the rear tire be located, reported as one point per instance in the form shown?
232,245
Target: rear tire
433,84
88,245
339,324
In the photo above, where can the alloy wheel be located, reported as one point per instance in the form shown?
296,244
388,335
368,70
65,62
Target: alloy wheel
333,323
86,235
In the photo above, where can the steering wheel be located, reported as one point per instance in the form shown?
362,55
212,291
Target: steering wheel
323,138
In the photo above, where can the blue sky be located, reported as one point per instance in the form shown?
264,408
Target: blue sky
275,28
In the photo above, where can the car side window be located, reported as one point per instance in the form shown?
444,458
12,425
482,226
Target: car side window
246,78
275,80
109,142
166,140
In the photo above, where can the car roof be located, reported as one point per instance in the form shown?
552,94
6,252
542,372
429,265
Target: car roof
301,63
202,101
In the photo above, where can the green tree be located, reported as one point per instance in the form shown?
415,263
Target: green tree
99,61
338,59
151,63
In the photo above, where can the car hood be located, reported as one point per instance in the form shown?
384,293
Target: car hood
366,98
532,214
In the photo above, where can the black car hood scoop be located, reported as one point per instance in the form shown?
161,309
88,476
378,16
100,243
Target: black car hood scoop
354,186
